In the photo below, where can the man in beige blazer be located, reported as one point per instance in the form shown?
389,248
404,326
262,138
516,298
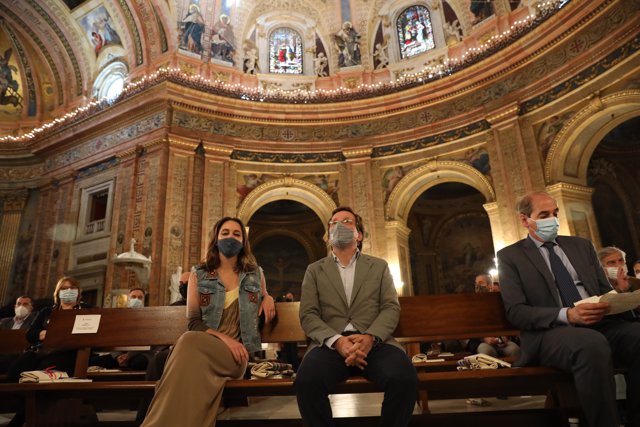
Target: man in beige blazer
349,309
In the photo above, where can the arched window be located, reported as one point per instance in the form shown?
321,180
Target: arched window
285,51
415,33
110,81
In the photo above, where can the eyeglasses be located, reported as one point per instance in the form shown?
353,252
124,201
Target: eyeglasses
344,221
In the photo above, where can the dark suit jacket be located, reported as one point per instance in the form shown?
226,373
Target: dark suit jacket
374,307
529,292
7,322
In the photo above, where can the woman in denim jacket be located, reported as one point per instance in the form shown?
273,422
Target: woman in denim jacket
225,296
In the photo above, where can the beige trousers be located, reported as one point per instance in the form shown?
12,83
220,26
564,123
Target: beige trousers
190,390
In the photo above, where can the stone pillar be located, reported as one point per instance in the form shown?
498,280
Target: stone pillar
397,238
516,169
576,211
13,204
493,212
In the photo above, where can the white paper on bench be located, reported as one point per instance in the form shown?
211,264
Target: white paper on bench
86,324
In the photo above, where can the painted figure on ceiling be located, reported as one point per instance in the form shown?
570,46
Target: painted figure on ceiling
100,30
8,85
192,29
222,40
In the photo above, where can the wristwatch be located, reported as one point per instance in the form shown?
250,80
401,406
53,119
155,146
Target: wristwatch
376,340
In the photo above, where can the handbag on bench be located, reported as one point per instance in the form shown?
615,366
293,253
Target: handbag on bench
481,361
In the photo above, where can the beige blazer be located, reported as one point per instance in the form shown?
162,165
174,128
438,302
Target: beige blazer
373,309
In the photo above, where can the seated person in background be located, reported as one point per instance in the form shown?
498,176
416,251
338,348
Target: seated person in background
66,296
22,320
614,262
636,269
224,301
135,360
485,283
493,346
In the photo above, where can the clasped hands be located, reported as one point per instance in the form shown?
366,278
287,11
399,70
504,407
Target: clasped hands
354,349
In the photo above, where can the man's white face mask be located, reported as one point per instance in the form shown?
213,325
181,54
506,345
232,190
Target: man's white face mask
612,272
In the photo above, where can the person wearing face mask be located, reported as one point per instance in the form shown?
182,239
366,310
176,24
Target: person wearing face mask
349,309
66,296
541,277
225,296
614,262
22,318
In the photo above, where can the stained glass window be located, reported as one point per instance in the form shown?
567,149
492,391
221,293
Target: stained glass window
415,33
285,52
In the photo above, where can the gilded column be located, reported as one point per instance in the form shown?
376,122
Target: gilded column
576,211
397,239
13,204
516,169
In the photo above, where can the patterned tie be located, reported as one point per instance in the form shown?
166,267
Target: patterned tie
566,286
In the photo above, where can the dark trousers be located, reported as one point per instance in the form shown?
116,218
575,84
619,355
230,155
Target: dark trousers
590,354
388,366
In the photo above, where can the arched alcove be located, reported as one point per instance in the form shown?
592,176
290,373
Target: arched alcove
433,173
287,188
573,146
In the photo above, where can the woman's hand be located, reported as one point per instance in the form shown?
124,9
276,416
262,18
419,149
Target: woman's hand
238,351
42,335
268,307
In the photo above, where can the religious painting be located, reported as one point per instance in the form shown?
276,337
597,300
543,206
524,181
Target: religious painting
191,29
284,261
72,4
285,52
328,183
481,10
415,33
11,91
223,43
100,30
464,250
392,177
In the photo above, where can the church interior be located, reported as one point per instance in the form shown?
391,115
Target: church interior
129,127
151,119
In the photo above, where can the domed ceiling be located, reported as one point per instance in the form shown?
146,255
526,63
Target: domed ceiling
55,54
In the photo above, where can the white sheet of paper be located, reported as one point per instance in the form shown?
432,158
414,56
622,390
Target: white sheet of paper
618,302
86,324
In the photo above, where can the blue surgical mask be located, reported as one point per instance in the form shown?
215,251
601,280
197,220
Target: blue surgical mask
547,228
135,303
68,296
230,247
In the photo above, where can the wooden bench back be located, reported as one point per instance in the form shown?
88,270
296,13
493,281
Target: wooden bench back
452,316
13,341
118,327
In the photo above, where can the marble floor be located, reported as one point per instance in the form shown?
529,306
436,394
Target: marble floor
344,405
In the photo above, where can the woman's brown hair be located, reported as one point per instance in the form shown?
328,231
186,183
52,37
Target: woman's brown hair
246,260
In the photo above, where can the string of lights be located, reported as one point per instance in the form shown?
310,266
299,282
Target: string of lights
430,73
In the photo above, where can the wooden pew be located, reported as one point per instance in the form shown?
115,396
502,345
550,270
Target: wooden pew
423,318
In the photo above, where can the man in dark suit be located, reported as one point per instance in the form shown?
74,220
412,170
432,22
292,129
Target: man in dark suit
349,309
22,318
541,277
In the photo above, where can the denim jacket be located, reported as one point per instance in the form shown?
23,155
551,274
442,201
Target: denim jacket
212,294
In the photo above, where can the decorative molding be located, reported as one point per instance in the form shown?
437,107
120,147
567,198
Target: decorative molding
67,46
43,49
